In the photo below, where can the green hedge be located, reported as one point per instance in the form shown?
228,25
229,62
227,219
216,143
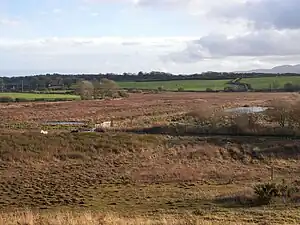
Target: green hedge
7,99
22,100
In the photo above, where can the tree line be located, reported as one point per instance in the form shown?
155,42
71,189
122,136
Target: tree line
68,82
60,81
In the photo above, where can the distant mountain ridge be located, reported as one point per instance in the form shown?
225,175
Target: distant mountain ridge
277,69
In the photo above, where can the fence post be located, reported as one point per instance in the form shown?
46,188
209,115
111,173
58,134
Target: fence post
272,173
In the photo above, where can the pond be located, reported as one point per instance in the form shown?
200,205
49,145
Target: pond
252,109
53,123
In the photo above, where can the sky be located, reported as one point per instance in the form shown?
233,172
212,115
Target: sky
175,36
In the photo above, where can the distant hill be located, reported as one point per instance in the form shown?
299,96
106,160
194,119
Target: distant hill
277,69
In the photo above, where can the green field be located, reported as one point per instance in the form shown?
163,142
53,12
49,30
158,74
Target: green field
264,82
201,85
32,96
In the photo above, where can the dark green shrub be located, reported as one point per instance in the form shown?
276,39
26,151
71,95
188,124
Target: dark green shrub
209,90
5,99
180,89
59,99
22,100
290,87
38,100
160,89
228,89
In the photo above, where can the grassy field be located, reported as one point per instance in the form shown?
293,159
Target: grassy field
201,85
188,85
32,96
264,82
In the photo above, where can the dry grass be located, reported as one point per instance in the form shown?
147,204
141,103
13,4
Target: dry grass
137,107
281,119
118,172
134,178
90,218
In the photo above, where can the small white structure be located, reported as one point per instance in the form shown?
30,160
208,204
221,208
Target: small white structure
44,132
106,124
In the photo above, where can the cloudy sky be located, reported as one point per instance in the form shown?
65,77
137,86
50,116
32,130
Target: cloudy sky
177,36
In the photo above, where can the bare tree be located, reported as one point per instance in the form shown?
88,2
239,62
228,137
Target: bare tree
280,112
106,88
85,90
294,117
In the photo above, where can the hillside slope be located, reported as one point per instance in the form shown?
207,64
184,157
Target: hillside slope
277,69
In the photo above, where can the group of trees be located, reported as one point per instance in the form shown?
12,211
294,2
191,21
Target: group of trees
99,90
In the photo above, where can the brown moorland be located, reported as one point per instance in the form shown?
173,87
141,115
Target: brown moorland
123,178
137,105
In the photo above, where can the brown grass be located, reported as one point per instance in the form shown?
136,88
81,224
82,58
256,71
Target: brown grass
127,112
197,217
134,178
281,119
89,218
118,172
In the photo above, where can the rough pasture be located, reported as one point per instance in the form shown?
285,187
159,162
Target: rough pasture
202,85
137,105
154,179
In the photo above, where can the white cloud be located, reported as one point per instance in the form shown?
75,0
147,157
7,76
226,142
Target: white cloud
107,54
57,11
95,14
116,54
224,41
9,22
253,44
279,14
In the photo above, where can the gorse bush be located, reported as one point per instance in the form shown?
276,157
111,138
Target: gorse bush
267,192
160,89
209,90
22,100
6,99
290,87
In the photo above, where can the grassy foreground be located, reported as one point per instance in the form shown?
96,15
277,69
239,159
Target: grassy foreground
90,218
201,85
139,179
